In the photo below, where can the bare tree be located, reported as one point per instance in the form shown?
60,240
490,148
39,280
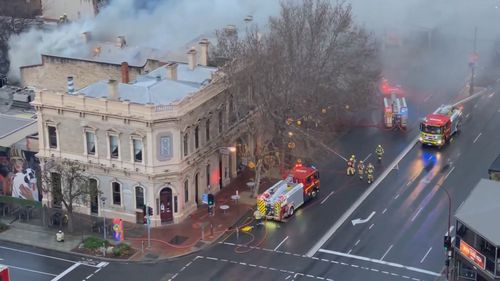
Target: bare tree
69,185
308,70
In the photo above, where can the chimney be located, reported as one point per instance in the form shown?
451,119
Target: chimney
125,74
191,58
71,86
204,51
120,41
172,71
153,64
86,37
112,89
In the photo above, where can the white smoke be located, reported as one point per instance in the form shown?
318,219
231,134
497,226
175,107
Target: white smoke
161,24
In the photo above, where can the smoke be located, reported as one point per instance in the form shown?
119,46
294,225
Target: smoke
159,24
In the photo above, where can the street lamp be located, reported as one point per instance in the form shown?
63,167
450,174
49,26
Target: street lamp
103,199
449,226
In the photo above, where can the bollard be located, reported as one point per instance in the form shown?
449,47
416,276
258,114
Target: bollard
211,230
237,234
103,249
142,247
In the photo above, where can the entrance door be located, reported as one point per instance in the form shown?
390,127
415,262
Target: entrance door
196,192
94,201
166,212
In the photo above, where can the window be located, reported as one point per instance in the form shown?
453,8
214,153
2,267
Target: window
186,191
137,144
196,137
185,144
52,137
207,129
114,147
221,121
90,139
139,197
57,195
208,174
117,193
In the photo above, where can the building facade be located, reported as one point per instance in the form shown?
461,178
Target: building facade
161,140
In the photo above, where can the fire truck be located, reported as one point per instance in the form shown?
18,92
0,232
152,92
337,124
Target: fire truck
4,273
395,107
282,199
437,128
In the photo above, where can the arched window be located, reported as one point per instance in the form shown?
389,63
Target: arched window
196,137
185,144
186,191
139,197
208,174
207,129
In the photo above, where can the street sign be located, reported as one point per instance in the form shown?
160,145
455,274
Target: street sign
204,198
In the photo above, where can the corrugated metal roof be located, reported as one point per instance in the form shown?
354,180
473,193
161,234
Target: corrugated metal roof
480,210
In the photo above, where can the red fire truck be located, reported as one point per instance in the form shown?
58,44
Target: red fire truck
4,273
438,128
395,107
280,200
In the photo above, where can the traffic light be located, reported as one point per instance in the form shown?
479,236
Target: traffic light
150,211
211,200
447,243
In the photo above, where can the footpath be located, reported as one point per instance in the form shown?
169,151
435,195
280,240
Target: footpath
196,232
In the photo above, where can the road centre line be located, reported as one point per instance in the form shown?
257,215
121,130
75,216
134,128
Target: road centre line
397,196
280,243
477,137
360,200
357,242
385,210
447,175
68,270
326,198
416,215
422,260
371,226
380,262
45,256
30,270
386,252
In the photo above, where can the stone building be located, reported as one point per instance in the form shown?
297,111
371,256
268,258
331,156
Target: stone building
74,9
163,139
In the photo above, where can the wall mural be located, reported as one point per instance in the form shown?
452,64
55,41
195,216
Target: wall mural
18,174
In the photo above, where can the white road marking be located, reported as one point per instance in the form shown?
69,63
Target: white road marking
409,182
40,255
288,277
364,160
386,252
380,262
90,276
210,258
359,221
422,260
326,198
102,264
68,270
416,215
397,196
491,95
349,251
477,137
228,243
467,116
357,242
447,175
280,243
371,226
360,200
385,210
30,270
427,98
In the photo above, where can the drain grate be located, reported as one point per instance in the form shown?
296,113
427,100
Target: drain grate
178,240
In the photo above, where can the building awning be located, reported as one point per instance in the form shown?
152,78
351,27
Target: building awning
16,128
480,210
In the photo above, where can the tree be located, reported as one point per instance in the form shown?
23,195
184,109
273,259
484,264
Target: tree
69,184
308,71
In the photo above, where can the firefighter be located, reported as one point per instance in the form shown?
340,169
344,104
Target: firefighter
361,169
369,172
350,166
380,152
63,19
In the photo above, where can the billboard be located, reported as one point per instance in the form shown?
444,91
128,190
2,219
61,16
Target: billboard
18,175
472,254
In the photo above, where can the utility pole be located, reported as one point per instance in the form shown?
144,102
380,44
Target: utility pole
473,63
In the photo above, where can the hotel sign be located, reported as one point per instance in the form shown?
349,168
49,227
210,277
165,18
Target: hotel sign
472,254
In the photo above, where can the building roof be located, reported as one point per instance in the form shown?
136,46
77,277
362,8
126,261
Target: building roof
437,119
16,127
155,88
495,166
479,210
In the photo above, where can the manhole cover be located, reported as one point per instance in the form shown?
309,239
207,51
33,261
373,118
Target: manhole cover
178,240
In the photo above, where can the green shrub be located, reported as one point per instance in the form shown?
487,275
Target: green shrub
3,227
121,249
94,243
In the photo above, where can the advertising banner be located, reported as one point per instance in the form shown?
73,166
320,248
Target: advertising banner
118,229
472,254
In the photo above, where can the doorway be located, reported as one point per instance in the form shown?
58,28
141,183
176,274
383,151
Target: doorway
94,201
166,212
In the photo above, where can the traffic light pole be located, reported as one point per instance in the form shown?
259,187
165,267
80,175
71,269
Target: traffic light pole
449,226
